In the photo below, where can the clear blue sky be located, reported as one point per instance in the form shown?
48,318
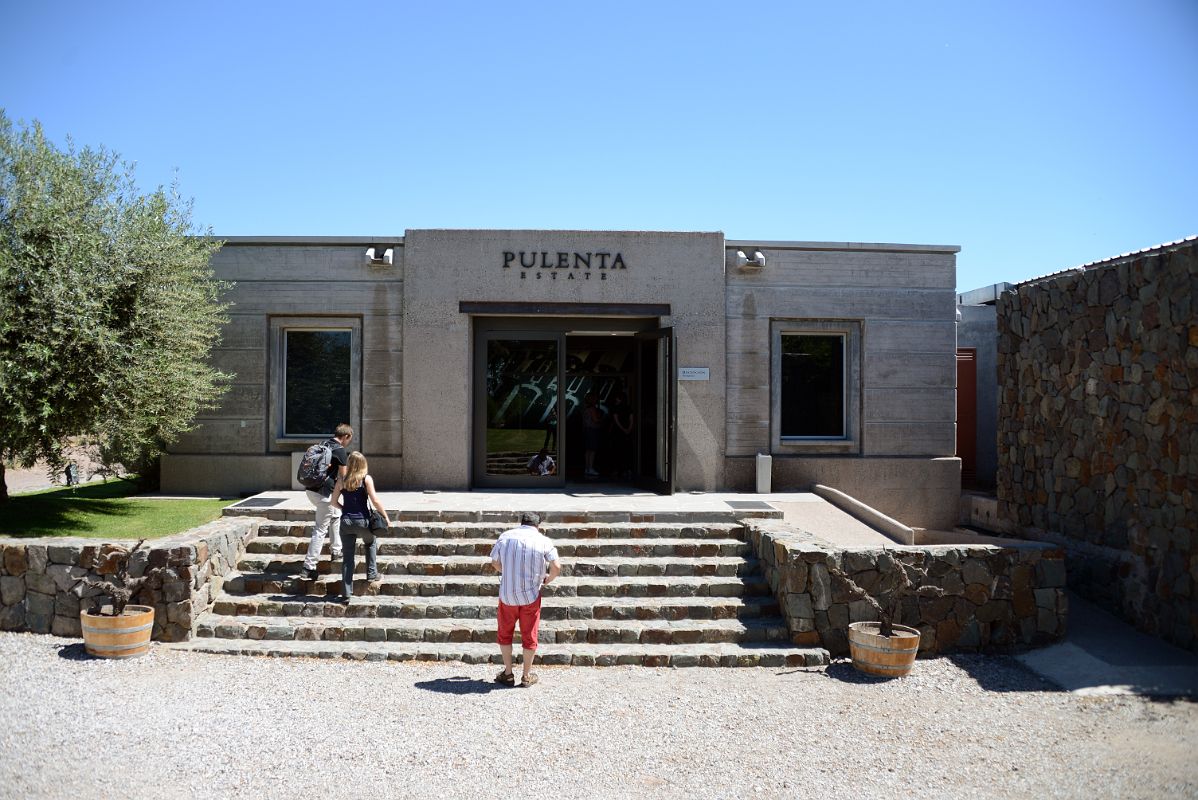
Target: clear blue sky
1036,135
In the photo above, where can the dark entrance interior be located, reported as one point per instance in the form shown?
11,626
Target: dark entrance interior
602,424
582,402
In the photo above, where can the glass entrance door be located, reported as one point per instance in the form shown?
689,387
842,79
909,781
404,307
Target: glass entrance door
517,409
578,401
659,410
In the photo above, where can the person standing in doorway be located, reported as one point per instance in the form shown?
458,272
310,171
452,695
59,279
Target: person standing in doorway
592,431
551,428
328,516
622,444
520,557
354,496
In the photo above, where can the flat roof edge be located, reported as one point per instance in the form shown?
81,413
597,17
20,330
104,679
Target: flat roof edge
885,247
309,240
881,247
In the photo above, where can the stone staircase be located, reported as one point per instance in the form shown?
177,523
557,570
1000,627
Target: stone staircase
654,590
509,463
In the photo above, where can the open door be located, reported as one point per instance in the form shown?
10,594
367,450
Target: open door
517,406
658,407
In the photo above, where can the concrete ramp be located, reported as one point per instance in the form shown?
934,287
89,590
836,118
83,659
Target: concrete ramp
815,515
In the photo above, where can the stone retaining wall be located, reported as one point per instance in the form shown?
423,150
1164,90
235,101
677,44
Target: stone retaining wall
995,598
37,576
1098,431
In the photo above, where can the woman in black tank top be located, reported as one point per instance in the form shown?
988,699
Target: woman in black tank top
354,495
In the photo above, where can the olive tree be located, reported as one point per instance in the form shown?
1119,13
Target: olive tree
108,308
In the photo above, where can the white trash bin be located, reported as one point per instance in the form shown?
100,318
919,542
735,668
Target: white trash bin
765,469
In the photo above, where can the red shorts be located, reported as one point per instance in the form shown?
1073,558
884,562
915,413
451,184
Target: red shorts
530,621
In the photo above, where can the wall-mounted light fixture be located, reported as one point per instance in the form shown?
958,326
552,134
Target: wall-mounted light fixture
380,255
754,262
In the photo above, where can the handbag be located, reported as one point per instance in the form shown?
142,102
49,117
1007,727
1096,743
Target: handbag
377,521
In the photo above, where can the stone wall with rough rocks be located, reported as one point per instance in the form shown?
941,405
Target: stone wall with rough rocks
37,577
995,599
1098,431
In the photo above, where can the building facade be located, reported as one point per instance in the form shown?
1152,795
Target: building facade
662,360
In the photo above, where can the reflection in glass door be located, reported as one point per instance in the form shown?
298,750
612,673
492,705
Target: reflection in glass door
521,412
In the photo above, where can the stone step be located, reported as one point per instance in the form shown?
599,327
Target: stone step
491,530
483,630
693,655
504,520
457,585
566,548
481,565
475,607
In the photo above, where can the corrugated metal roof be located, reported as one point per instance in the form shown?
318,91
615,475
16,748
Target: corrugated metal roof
1159,248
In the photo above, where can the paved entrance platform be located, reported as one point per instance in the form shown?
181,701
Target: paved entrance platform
581,499
806,510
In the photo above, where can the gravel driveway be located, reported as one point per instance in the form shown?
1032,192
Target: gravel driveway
177,725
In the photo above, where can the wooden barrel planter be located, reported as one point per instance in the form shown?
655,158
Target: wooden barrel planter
885,656
126,636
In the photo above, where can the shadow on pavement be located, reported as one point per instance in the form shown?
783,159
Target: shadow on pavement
460,684
74,652
994,673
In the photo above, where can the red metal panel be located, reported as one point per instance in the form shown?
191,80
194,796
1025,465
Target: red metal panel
967,414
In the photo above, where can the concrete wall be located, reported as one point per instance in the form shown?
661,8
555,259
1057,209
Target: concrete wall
902,297
233,449
445,267
978,328
1098,431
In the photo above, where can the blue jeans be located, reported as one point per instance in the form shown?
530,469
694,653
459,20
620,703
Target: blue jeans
349,539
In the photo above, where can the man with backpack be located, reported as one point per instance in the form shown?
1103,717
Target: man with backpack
319,470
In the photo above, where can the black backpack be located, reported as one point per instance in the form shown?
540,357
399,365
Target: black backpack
314,466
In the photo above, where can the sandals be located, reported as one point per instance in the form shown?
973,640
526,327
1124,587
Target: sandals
509,678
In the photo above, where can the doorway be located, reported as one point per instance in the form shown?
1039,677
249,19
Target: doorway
578,401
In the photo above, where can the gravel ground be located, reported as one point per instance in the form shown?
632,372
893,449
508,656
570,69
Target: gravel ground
178,725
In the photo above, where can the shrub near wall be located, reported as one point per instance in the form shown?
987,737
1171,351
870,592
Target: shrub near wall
995,598
1098,431
37,577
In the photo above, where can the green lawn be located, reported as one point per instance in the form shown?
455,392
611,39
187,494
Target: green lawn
507,440
102,511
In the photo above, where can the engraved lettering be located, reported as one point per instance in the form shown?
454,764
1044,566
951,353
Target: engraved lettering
560,259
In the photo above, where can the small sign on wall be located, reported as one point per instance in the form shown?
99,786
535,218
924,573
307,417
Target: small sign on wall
694,373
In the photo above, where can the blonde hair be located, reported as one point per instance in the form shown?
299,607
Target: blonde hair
355,472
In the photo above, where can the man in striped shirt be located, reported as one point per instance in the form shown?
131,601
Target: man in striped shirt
520,557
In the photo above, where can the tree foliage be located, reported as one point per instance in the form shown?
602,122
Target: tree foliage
108,308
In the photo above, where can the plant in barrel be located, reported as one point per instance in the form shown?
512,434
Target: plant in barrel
884,648
119,629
